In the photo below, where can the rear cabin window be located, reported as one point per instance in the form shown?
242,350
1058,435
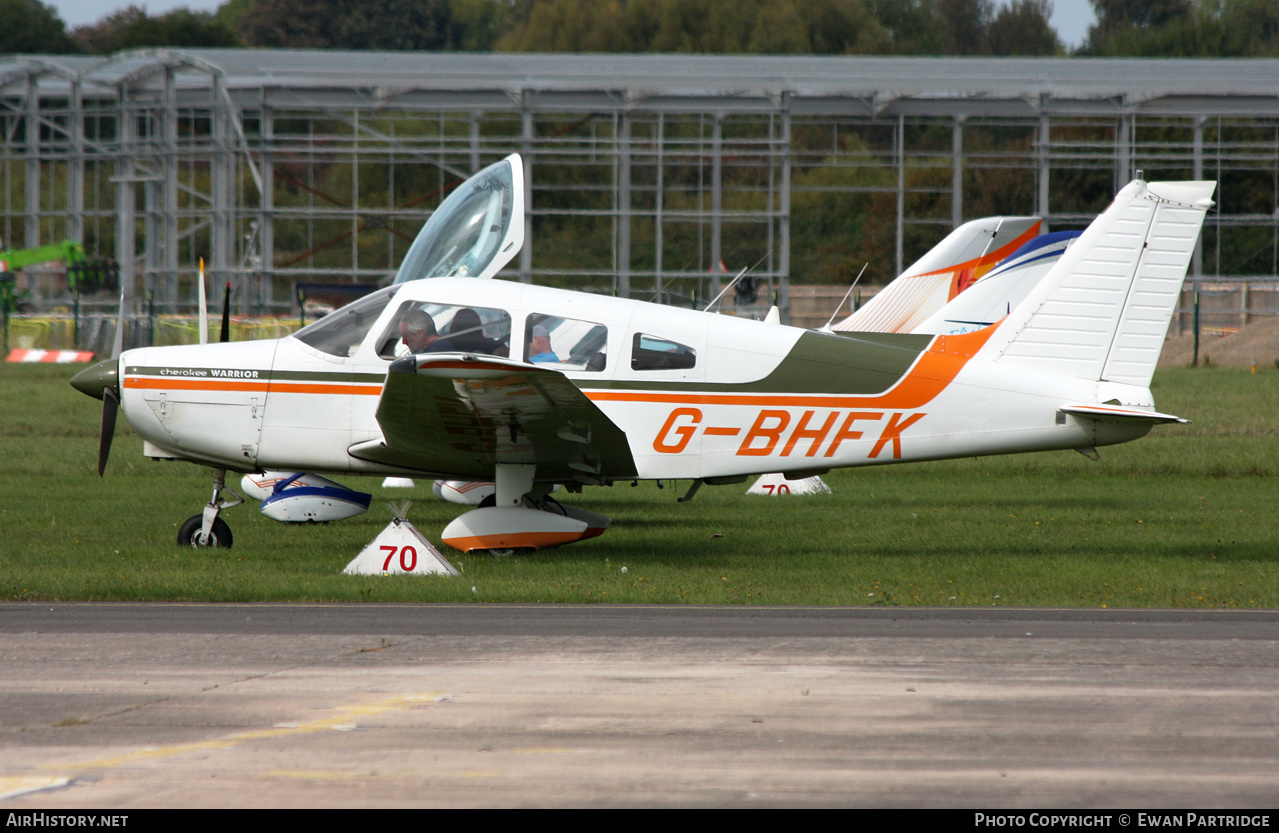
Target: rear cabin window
565,343
655,353
424,327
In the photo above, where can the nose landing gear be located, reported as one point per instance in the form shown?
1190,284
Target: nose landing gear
207,529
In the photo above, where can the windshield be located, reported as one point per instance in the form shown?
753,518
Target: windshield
462,237
339,333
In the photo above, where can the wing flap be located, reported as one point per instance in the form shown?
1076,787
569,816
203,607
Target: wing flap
458,415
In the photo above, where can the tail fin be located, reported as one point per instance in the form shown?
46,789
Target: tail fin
962,257
1103,311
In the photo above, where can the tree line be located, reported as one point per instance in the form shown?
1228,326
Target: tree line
1149,28
841,215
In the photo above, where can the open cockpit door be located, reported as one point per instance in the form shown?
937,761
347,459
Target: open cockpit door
476,231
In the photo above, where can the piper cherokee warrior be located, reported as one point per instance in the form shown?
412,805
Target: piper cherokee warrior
441,375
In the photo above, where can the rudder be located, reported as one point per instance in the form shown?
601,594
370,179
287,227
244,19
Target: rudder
1103,312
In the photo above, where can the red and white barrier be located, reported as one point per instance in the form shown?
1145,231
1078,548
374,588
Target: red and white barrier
52,356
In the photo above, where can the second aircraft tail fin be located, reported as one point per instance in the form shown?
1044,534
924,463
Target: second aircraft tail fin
962,258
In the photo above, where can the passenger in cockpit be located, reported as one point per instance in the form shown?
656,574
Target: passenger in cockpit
539,349
466,331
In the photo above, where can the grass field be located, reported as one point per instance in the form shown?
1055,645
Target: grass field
1183,518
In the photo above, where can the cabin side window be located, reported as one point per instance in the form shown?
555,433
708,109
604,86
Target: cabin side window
565,343
424,327
656,353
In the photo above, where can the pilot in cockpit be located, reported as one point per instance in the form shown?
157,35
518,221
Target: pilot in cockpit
417,331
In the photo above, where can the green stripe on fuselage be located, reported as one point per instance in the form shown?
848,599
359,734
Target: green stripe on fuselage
858,363
854,363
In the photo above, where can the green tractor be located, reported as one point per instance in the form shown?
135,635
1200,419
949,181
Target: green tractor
84,275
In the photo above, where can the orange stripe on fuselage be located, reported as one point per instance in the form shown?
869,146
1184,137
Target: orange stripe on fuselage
298,387
933,371
247,386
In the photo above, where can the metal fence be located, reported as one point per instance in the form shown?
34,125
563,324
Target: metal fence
1225,306
644,172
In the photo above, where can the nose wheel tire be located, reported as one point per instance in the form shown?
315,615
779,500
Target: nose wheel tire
219,535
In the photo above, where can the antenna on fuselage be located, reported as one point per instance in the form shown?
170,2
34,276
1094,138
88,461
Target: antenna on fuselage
733,283
714,301
826,328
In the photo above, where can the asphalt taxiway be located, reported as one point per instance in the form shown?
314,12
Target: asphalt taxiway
136,706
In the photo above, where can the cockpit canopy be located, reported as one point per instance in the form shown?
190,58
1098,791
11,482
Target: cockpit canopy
475,231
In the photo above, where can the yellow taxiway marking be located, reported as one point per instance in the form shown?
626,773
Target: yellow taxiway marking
343,721
12,786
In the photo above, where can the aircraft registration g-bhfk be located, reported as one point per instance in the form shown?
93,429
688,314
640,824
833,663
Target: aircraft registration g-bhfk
530,386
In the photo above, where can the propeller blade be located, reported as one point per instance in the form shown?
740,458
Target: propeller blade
110,407
226,314
203,306
117,341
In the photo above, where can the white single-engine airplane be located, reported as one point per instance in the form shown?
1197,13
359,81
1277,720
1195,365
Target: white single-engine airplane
530,387
957,263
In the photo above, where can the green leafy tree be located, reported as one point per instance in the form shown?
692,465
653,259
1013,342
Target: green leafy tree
335,24
1022,28
230,12
1185,28
697,26
131,28
1250,28
393,25
29,26
573,26
293,24
1126,27
966,25
913,26
1119,15
476,25
843,28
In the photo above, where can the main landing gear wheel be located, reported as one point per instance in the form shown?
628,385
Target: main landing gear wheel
219,536
520,517
546,504
506,552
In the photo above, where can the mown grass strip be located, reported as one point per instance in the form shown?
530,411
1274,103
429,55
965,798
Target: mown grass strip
1182,518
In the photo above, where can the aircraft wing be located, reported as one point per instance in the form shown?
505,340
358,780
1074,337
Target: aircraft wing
460,415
